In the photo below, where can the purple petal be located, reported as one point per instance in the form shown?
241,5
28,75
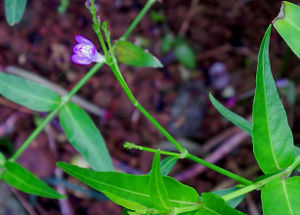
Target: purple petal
97,57
80,60
81,39
76,48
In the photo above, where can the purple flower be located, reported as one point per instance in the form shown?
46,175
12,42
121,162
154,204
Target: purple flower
85,52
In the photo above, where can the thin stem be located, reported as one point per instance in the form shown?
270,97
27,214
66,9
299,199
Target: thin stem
96,27
53,113
137,19
114,67
218,169
129,145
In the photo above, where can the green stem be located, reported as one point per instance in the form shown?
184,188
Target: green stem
114,67
218,169
137,19
260,183
53,113
129,145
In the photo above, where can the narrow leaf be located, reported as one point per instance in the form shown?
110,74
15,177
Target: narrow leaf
272,137
28,93
167,164
131,205
281,195
233,202
239,121
158,191
132,188
14,10
133,55
15,175
85,137
215,205
288,26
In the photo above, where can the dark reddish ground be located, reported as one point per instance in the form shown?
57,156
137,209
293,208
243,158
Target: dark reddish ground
42,43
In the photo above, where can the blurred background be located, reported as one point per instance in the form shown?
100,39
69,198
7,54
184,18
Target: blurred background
204,45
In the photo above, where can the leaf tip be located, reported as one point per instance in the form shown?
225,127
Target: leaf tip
281,13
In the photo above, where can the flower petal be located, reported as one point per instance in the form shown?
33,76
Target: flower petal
81,39
98,58
80,60
76,48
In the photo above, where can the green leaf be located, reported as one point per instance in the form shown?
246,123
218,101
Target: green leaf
185,55
288,26
281,195
14,10
239,121
271,134
85,137
233,202
214,205
2,159
167,164
133,55
158,191
15,175
28,93
297,150
132,188
131,205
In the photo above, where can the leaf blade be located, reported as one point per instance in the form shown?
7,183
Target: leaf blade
28,93
158,191
132,187
281,195
85,137
14,10
130,54
239,121
272,137
15,175
215,205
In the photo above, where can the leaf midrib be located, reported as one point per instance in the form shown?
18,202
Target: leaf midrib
267,112
283,182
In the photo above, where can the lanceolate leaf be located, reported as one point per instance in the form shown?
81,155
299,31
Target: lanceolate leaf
233,202
133,55
215,205
15,175
14,10
167,164
132,188
288,26
28,93
239,121
272,137
158,191
85,137
281,196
